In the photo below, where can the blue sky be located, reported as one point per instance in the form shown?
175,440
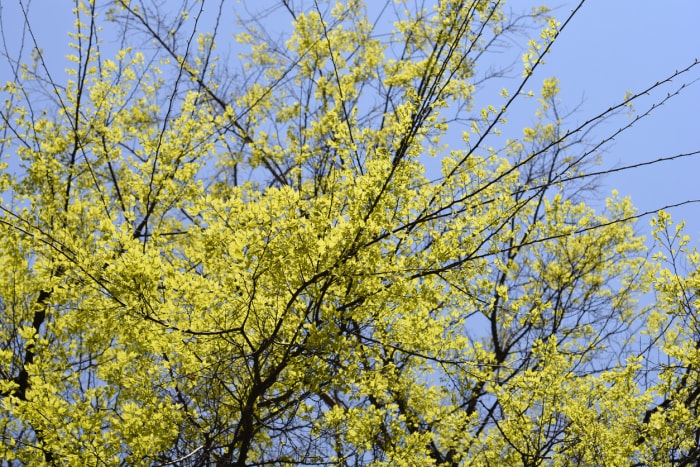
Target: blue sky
619,45
609,47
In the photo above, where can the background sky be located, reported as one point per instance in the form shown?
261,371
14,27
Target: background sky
610,47
618,45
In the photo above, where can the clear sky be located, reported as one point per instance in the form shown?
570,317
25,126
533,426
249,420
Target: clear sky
610,47
617,45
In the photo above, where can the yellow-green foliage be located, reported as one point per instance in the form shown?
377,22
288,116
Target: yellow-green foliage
313,266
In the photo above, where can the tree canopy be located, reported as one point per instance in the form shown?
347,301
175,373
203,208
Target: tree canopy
316,247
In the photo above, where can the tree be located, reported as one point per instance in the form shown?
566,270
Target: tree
206,265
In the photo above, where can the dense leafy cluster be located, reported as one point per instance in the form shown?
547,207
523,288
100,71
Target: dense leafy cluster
322,258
